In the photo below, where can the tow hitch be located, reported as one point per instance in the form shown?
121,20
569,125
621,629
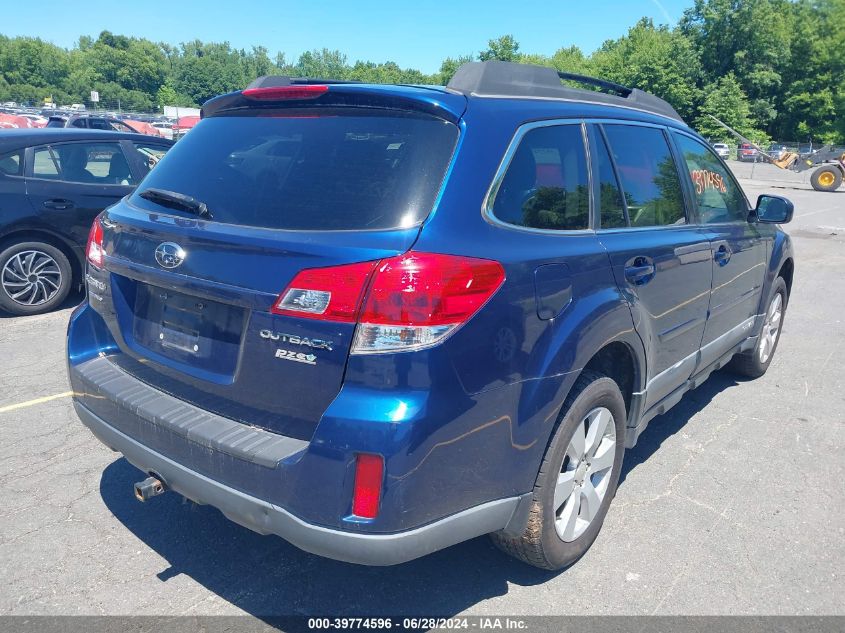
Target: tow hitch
149,488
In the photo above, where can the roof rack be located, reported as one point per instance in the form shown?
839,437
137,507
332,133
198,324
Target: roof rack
508,79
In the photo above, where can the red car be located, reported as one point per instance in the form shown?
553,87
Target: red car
747,153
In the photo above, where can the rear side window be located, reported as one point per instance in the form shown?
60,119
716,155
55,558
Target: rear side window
717,195
545,185
648,175
92,163
609,196
341,169
10,164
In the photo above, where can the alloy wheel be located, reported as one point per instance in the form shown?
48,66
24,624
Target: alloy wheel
31,278
771,327
585,474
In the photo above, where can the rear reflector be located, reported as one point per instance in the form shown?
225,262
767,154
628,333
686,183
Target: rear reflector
283,93
369,471
412,301
94,249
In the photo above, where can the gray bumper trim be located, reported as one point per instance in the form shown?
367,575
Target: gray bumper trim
102,377
266,518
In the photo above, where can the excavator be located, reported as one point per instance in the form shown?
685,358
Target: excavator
829,174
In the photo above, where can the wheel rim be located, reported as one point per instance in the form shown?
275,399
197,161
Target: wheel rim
826,178
771,328
585,474
31,278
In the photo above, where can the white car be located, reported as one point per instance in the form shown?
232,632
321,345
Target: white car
722,149
164,128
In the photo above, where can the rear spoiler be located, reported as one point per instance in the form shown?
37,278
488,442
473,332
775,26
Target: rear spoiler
277,92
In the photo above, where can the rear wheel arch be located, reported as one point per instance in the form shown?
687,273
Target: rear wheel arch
618,360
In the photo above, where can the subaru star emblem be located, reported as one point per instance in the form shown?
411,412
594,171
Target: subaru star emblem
169,255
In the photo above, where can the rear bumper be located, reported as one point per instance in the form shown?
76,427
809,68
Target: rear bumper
266,518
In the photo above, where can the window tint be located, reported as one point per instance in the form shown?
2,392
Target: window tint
94,163
150,154
717,196
648,175
10,164
344,169
545,185
611,206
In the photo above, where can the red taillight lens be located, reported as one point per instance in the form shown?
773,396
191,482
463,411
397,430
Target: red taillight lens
430,289
283,93
94,249
413,301
331,294
369,472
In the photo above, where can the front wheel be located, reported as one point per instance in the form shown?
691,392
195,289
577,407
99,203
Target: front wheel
577,479
756,361
827,178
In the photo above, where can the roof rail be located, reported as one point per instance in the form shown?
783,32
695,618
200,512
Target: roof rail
508,79
275,81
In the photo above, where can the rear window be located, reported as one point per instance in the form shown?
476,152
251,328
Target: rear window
351,169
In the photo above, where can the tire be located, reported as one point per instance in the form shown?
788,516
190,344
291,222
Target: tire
755,362
46,285
549,541
826,178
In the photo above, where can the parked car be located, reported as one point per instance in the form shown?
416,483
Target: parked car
722,150
183,125
747,153
53,182
381,320
87,121
777,151
142,127
165,128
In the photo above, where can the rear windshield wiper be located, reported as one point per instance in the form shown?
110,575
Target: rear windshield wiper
175,200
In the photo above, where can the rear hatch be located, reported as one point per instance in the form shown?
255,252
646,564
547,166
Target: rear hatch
285,189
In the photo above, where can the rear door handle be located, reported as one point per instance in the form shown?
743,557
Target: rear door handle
59,204
722,255
639,271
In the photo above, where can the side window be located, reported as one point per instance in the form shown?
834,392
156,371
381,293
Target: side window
545,185
607,192
648,175
94,163
717,195
11,164
150,154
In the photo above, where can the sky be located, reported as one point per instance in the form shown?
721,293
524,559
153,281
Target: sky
413,34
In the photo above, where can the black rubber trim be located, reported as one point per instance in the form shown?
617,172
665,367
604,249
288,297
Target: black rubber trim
103,378
265,518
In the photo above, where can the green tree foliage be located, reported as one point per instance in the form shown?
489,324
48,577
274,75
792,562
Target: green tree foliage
503,49
655,59
725,100
769,68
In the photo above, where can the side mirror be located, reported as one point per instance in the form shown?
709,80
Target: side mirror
773,210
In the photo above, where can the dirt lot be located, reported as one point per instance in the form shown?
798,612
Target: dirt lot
731,503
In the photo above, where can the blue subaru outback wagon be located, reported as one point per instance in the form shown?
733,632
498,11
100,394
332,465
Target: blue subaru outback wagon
381,320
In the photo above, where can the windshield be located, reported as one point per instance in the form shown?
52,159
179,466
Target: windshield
341,169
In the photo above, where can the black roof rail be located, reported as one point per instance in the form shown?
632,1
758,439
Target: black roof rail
509,79
275,81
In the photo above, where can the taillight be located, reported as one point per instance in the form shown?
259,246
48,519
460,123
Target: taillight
94,249
416,300
412,301
369,472
283,93
330,294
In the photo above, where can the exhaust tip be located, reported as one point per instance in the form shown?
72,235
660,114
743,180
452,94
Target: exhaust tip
149,488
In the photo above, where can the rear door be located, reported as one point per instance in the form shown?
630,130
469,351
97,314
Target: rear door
660,260
191,298
739,248
68,184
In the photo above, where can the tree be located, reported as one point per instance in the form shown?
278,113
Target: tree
655,59
504,49
725,100
449,66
